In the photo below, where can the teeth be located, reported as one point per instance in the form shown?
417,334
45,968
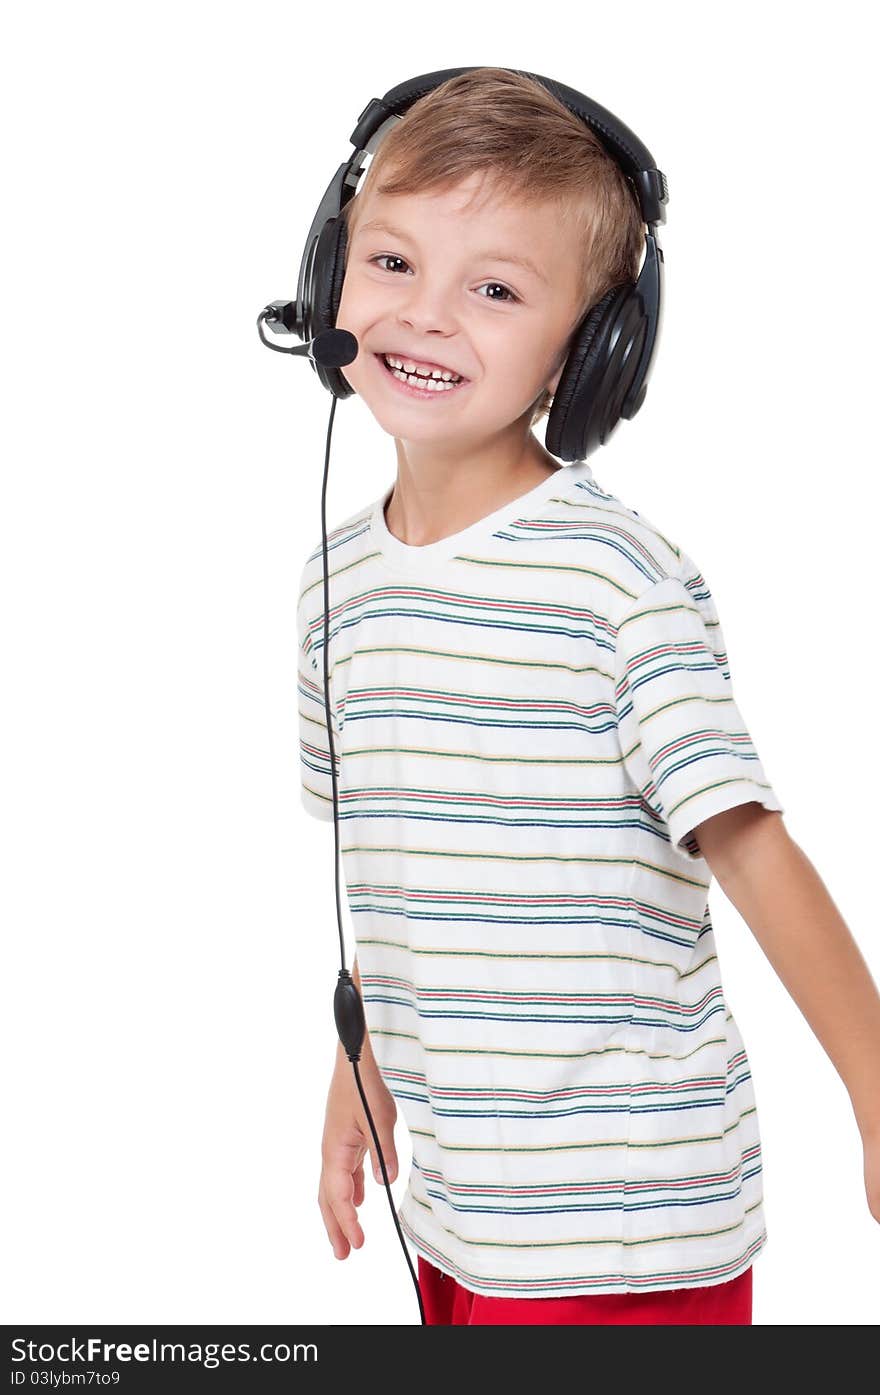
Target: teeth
411,367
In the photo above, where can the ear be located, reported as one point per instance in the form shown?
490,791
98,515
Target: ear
554,381
561,361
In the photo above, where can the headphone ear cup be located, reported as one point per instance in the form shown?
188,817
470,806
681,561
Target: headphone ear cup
328,276
597,375
337,275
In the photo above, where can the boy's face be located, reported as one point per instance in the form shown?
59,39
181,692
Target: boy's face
444,295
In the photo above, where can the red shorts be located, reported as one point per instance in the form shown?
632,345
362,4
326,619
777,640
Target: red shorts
447,1303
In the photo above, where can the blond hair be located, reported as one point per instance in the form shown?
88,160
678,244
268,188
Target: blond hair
507,124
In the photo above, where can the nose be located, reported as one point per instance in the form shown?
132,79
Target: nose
425,310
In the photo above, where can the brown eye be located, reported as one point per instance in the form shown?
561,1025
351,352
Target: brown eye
387,257
496,285
509,297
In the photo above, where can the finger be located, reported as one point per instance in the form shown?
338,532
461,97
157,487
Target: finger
358,1178
341,1247
340,1196
390,1163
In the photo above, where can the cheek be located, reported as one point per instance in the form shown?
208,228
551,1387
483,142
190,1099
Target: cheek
347,316
362,299
354,315
516,363
513,355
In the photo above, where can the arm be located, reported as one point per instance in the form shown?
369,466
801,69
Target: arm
368,1060
348,1138
785,903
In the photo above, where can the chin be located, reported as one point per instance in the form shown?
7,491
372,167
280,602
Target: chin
404,428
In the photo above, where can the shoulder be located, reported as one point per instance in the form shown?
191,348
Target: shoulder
641,556
347,543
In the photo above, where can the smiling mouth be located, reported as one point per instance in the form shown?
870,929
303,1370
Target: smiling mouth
426,384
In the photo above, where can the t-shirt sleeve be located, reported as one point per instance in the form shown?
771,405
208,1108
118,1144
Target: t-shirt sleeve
681,733
316,786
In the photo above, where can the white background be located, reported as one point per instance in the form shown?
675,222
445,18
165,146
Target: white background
169,927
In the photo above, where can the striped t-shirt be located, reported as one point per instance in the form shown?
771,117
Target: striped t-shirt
530,717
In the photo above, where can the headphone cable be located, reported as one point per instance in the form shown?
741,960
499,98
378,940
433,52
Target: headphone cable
348,1008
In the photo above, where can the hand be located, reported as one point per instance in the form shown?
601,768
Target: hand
871,1143
346,1141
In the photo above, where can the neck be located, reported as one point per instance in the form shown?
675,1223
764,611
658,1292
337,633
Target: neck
435,494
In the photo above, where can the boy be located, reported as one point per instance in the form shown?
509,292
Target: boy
540,767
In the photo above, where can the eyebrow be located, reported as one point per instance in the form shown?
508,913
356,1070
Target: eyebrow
376,225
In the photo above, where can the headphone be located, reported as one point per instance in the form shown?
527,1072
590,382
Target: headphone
605,377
